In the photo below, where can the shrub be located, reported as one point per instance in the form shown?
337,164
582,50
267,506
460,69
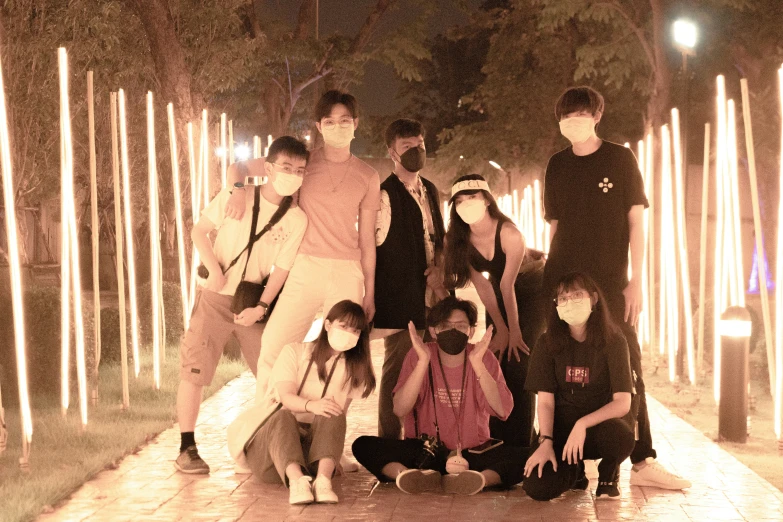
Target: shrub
172,304
110,336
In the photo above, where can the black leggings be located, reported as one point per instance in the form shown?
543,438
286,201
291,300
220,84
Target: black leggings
611,441
374,453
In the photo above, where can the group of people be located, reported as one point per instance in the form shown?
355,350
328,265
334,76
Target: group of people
323,233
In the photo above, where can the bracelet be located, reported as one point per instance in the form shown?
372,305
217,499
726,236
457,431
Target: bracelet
263,305
306,403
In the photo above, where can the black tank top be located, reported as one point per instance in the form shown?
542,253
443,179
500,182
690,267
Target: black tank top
495,266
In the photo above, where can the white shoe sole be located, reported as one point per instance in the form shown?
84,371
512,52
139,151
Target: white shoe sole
465,483
418,482
191,471
659,485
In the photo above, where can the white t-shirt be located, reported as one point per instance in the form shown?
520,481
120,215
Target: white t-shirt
278,247
290,367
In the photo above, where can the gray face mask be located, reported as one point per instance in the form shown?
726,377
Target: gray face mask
413,159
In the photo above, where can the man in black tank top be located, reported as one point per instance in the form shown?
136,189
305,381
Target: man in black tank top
409,240
594,201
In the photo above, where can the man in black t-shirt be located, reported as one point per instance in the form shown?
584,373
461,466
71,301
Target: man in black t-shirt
594,201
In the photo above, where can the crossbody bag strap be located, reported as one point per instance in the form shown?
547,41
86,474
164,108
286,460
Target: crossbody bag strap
434,406
254,222
329,377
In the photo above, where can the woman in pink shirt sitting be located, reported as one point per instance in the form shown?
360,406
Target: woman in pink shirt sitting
447,392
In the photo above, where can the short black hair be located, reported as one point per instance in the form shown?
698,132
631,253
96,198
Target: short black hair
441,312
334,97
288,146
403,128
575,99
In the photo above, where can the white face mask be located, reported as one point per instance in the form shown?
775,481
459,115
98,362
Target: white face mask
575,314
342,340
338,137
286,184
578,129
471,210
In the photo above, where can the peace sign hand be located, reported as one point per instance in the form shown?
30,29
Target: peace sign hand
477,355
418,343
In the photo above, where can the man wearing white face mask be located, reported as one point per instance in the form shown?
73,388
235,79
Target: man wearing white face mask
594,201
228,264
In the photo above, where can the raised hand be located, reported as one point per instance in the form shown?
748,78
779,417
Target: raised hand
477,355
418,343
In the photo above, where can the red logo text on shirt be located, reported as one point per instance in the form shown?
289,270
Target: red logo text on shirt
577,374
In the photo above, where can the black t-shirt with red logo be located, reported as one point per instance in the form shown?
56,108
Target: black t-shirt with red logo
581,376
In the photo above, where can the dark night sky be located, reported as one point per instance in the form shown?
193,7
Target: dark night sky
378,90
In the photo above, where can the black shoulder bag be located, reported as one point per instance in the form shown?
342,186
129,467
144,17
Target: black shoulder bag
248,294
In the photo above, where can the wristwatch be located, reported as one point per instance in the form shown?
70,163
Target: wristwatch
542,438
238,185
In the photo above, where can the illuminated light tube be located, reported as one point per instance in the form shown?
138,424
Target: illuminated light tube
96,227
705,205
195,198
739,274
230,142
115,163
734,328
669,297
649,157
183,271
205,158
129,234
644,318
762,266
72,234
65,278
256,147
15,270
682,246
539,220
779,294
154,239
224,146
719,301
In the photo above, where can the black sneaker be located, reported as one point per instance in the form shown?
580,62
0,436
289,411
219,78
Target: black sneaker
607,491
189,461
582,482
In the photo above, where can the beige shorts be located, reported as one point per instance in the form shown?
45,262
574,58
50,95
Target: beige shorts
211,326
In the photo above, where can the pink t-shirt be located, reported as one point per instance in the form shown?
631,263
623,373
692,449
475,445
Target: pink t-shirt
332,195
476,411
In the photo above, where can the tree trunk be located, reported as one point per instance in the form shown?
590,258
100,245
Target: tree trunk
658,104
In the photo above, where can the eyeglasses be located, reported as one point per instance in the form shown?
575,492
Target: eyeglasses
290,170
575,298
461,326
343,122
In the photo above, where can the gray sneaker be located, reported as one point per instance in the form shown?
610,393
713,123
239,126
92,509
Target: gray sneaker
189,461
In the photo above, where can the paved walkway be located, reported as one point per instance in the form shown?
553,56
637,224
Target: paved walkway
146,486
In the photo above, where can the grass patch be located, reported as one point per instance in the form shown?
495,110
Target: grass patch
62,457
695,405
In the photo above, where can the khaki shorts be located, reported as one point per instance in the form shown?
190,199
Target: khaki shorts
211,326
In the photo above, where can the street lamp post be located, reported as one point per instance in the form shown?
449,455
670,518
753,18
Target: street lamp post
496,165
685,36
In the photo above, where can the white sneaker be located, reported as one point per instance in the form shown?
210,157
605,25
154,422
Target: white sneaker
655,475
299,491
323,492
415,481
348,465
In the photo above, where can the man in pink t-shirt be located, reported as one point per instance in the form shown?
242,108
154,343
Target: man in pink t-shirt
447,391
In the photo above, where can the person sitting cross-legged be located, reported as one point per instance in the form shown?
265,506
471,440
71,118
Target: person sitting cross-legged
446,392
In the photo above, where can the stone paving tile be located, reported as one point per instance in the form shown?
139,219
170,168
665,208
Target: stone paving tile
146,487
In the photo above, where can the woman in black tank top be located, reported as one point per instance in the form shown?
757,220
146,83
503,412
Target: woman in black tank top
510,293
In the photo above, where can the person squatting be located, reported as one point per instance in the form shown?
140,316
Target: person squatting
323,233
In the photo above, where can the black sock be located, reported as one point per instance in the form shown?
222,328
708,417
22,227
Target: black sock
188,440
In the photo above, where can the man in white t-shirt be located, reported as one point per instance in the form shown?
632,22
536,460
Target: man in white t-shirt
272,255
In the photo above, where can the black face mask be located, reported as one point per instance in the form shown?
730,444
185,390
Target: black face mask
452,341
413,159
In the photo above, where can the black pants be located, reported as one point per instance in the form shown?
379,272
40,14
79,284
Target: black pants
611,441
644,445
374,453
517,430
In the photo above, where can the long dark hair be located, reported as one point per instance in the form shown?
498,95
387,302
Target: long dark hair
457,249
600,326
358,365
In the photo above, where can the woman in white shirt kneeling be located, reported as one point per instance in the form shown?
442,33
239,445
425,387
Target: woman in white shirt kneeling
315,383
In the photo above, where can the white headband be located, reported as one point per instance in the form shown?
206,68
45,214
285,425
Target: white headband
469,184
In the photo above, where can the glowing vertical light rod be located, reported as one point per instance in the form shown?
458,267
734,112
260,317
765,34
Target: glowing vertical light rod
230,142
205,159
96,284
126,203
719,291
644,318
154,239
195,198
224,147
705,207
16,278
682,247
72,233
734,192
537,215
669,335
183,271
649,157
762,266
115,164
778,295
